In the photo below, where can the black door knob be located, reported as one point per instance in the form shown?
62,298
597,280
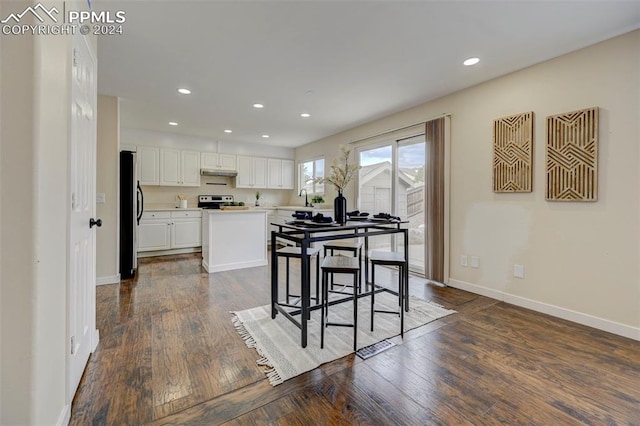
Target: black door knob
93,222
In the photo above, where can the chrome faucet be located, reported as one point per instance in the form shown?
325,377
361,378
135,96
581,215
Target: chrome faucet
306,200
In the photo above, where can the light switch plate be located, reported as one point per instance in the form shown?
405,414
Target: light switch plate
475,262
518,271
464,260
101,198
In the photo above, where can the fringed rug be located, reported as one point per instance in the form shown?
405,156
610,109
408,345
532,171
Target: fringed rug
277,341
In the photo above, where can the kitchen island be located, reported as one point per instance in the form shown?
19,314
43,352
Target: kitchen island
233,239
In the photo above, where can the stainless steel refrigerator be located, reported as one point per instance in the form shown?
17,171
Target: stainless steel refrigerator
131,208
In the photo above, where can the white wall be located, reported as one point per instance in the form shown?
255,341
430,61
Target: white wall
17,265
175,140
107,179
581,259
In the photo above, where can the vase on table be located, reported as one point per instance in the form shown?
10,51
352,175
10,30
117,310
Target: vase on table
340,209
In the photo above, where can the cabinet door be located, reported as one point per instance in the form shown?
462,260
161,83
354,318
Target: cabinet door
274,173
190,168
186,233
154,235
148,165
227,161
170,167
245,172
208,160
260,172
287,174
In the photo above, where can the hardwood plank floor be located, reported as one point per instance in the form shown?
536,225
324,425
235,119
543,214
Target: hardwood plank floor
169,355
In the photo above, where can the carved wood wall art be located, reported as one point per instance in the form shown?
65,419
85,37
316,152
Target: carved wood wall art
513,153
572,156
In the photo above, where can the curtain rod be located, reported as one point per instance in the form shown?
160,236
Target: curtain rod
446,114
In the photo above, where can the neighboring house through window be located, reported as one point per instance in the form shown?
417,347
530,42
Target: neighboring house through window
307,172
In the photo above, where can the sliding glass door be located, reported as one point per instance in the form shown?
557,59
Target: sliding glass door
375,187
391,180
410,197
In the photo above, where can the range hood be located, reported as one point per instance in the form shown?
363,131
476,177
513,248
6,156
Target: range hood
215,172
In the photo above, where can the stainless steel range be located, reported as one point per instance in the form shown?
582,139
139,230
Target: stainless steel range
213,201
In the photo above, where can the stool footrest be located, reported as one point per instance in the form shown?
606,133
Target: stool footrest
386,312
338,324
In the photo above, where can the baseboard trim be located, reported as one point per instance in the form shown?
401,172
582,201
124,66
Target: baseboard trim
169,252
113,279
65,416
553,310
231,266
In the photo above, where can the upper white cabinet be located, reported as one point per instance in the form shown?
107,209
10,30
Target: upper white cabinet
252,172
280,175
217,161
179,167
148,165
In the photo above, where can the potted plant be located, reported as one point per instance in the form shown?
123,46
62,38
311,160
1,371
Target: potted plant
257,198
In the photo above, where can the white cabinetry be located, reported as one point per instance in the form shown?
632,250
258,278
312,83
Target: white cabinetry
280,175
166,230
148,162
217,161
252,172
179,168
186,229
154,231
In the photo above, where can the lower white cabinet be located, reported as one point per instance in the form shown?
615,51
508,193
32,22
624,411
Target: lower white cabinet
166,230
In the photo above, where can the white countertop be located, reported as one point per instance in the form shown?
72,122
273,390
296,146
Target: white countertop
216,211
305,209
170,209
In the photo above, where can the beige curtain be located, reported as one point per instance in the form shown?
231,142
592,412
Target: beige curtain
434,199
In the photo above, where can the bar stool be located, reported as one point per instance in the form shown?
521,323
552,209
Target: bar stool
390,258
352,246
296,253
340,265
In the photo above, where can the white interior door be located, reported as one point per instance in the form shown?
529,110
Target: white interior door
82,276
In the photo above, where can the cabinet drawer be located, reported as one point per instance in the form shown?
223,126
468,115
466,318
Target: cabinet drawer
189,213
156,215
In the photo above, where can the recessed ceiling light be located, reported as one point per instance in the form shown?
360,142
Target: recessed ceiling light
227,131
305,115
471,61
184,91
258,106
265,136
173,123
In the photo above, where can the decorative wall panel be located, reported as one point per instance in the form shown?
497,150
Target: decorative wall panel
513,153
572,156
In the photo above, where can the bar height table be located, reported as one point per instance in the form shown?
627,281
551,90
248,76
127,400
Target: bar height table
304,234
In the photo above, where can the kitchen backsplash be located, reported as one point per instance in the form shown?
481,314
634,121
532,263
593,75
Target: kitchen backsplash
168,195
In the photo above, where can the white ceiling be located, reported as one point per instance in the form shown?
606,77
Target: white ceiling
344,62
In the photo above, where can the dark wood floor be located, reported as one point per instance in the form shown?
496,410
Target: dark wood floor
169,355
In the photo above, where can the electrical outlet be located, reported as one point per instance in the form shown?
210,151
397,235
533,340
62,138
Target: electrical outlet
518,271
101,198
464,261
475,262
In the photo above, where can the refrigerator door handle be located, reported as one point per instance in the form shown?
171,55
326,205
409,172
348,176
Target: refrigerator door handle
140,205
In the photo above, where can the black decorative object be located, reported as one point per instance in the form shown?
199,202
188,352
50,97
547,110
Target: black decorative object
340,208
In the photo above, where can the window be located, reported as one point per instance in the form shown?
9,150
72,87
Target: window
307,172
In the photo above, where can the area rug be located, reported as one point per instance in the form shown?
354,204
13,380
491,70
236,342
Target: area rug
277,341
